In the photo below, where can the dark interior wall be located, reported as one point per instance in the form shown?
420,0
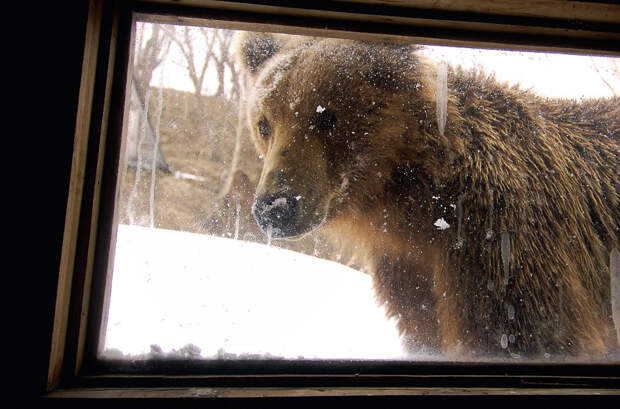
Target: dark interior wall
55,44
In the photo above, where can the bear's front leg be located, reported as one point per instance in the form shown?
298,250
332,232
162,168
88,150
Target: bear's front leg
404,286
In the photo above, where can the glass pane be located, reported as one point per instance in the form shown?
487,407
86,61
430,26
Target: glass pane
284,197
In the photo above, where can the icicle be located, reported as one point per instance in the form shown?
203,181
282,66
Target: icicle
442,97
614,275
505,252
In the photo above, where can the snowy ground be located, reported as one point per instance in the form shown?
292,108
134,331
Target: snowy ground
172,288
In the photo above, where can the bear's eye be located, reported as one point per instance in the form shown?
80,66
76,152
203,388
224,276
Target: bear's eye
325,120
264,128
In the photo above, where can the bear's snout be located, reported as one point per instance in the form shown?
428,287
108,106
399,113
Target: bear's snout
276,214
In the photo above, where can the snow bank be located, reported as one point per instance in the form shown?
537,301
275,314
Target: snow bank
173,288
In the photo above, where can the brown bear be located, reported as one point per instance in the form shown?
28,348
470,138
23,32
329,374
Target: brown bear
486,221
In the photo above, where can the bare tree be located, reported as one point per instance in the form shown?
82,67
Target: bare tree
186,40
224,62
150,55
614,72
200,47
142,149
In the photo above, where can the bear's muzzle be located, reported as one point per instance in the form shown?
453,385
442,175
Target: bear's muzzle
276,214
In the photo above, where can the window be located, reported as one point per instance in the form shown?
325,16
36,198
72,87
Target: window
186,171
190,166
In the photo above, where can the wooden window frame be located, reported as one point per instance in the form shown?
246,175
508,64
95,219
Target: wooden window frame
74,372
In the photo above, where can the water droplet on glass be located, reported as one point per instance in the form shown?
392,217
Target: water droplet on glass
504,341
510,310
614,275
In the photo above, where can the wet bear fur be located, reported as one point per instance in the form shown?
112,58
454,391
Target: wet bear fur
528,186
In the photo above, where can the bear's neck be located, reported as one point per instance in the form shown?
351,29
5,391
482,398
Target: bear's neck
405,217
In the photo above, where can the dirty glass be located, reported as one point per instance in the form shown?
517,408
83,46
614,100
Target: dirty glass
282,197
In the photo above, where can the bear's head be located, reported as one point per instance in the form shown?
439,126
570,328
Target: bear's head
326,116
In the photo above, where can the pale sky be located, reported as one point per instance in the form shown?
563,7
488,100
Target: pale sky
552,75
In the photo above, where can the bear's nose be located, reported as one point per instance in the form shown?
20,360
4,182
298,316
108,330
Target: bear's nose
276,213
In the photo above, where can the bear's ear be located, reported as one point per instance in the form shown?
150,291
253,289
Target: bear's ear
253,49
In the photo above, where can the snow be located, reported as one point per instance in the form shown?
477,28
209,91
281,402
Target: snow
278,202
281,201
320,109
183,175
228,297
268,79
441,224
